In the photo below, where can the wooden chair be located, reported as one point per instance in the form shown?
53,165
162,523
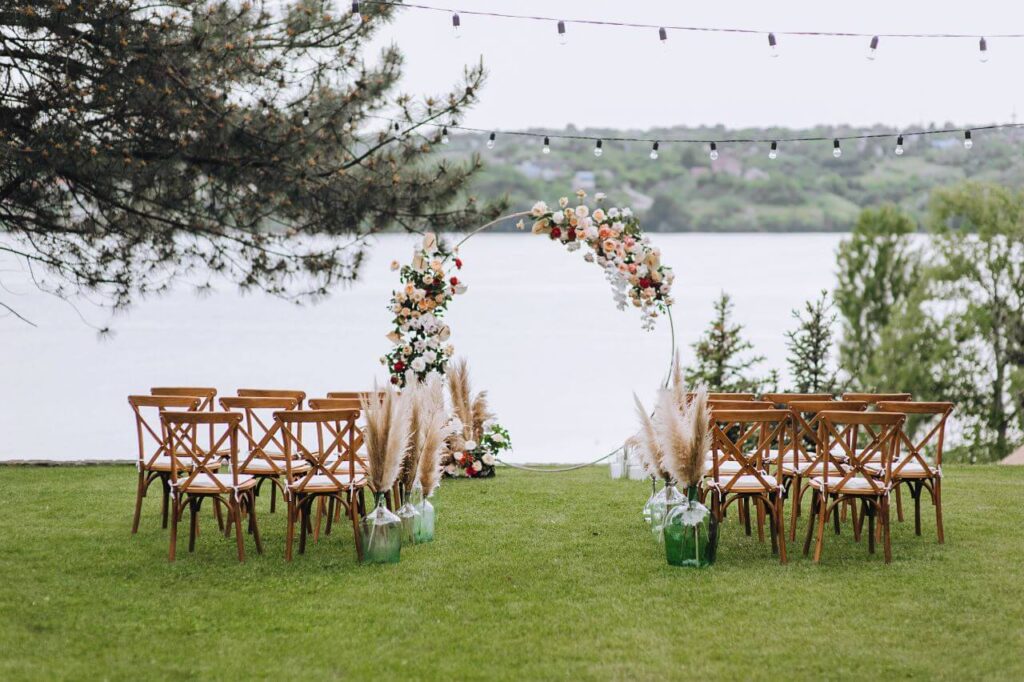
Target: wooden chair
201,480
757,431
784,399
726,396
351,394
206,395
299,396
262,442
858,482
911,467
808,458
153,461
328,433
875,398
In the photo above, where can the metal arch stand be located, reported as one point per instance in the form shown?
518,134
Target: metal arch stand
664,384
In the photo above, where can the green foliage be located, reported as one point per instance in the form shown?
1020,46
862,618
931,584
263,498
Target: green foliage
143,141
721,365
810,347
877,268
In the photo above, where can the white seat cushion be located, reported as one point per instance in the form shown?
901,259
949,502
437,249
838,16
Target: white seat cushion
749,484
208,483
853,486
323,483
262,466
910,469
814,469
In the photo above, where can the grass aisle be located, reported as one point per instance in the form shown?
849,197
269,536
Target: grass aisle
531,577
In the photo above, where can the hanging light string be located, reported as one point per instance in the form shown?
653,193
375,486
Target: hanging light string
709,142
664,28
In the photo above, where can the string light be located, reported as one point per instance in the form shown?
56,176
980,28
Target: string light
357,16
774,150
305,117
456,22
873,48
899,146
968,142
714,152
597,148
546,149
982,50
837,151
444,135
561,32
773,45
662,35
654,151
490,140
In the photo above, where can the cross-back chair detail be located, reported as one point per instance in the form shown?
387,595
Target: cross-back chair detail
875,398
911,466
195,476
856,480
746,437
152,460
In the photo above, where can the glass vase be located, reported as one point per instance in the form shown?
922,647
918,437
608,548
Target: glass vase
381,534
415,494
691,533
669,500
410,517
651,501
425,529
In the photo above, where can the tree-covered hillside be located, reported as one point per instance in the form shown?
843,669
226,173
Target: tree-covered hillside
804,189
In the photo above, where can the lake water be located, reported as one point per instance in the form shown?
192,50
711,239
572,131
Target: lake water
538,325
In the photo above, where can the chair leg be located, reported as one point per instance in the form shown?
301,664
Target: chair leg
899,502
164,500
140,492
319,518
332,507
253,526
770,510
290,537
760,518
778,519
835,516
871,510
304,516
822,516
356,533
886,540
937,501
193,514
810,521
220,519
273,499
794,511
916,493
235,509
746,515
174,533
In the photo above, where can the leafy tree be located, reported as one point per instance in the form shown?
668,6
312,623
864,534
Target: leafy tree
979,286
140,141
877,268
720,362
810,347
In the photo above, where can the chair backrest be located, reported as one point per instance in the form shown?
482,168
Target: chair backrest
327,443
784,399
191,455
259,431
806,418
272,393
721,404
335,404
352,394
746,437
934,436
205,394
726,396
149,429
861,457
874,398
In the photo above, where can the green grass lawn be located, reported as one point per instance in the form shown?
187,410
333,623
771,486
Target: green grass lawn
532,576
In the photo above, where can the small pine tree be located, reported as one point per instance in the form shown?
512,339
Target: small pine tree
810,347
720,365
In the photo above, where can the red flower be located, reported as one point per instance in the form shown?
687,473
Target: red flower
394,380
454,281
645,282
570,235
556,232
399,366
471,472
458,263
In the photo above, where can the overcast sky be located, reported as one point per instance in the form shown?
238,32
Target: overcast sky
626,78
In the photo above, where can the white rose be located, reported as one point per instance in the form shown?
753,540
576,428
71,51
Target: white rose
627,212
488,460
539,209
613,213
563,202
558,218
419,364
471,445
599,196
451,470
429,357
497,438
582,211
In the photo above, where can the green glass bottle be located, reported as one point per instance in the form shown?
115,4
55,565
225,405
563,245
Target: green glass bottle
425,530
691,533
381,533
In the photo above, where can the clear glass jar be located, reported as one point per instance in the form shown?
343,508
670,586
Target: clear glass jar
425,529
669,500
381,534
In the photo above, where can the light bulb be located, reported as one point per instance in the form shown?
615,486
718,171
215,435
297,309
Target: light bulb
714,152
899,146
662,35
982,51
357,16
561,33
305,117
654,151
836,149
968,142
773,151
444,135
456,22
490,141
773,45
347,125
597,149
546,149
873,48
